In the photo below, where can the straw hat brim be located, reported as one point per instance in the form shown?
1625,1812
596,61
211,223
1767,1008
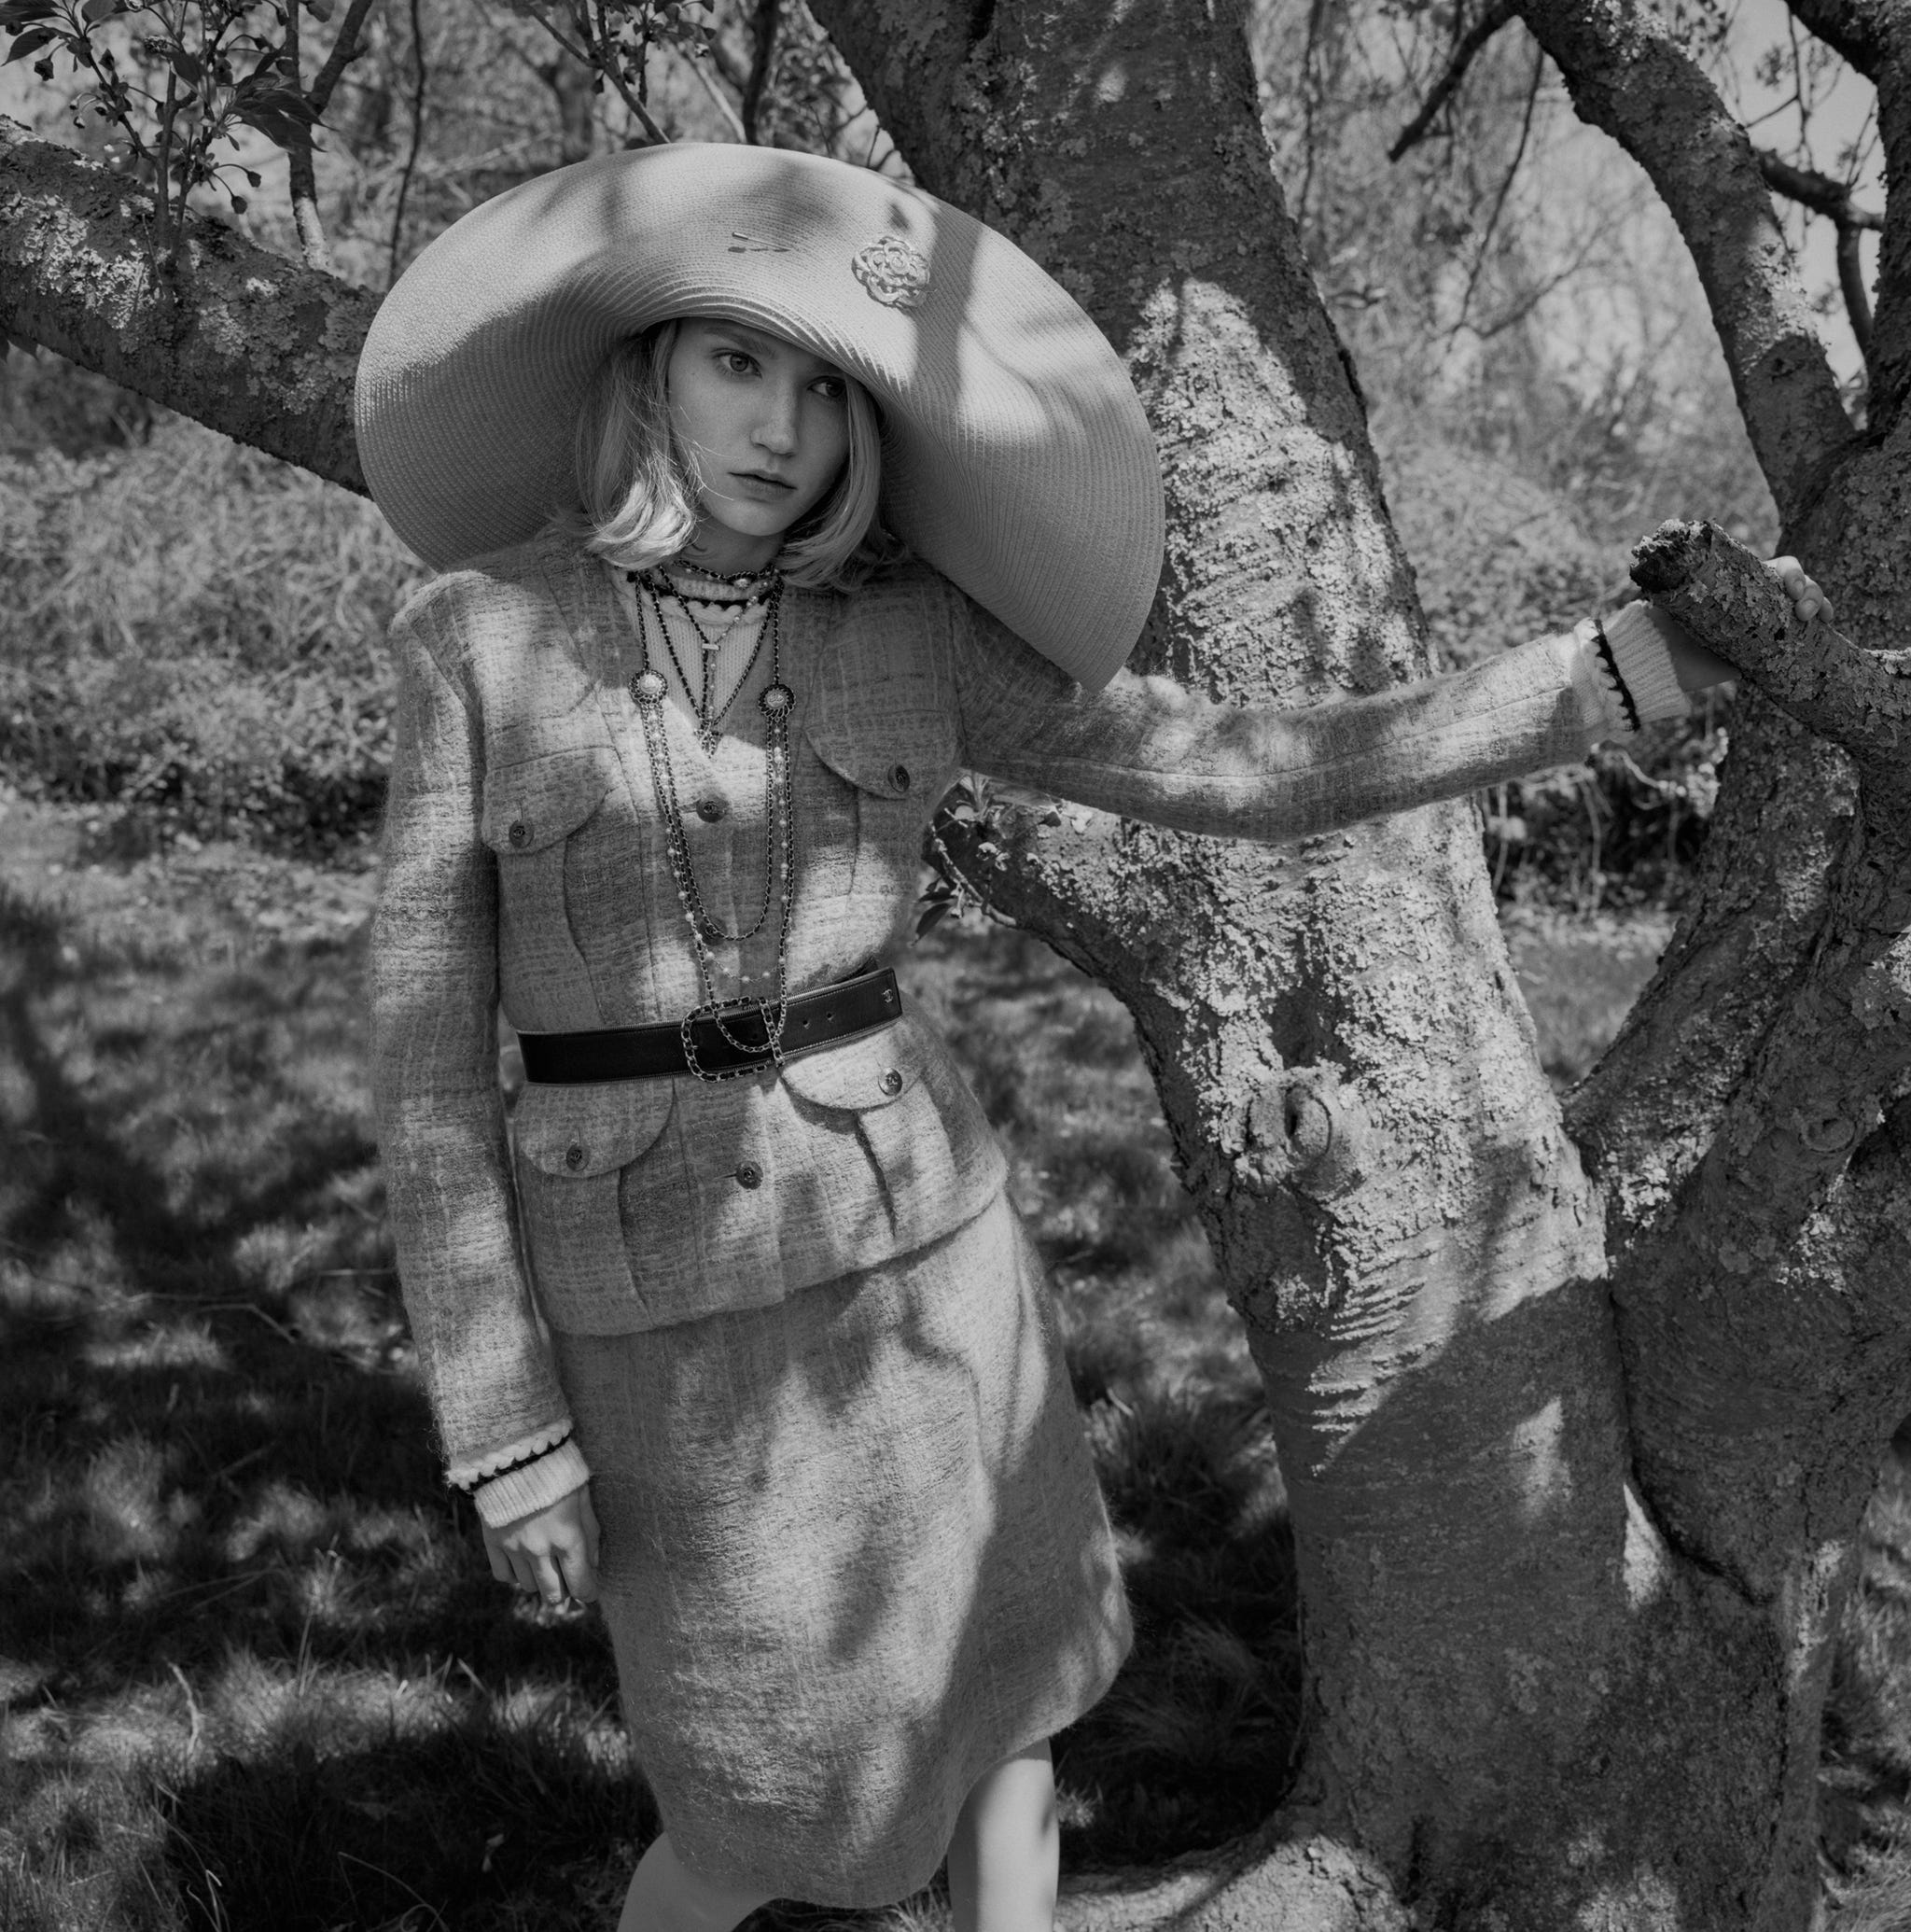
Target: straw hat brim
1017,458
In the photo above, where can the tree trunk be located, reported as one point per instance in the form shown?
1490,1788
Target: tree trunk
1511,1660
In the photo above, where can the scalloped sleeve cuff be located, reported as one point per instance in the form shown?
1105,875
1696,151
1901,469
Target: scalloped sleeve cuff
1644,664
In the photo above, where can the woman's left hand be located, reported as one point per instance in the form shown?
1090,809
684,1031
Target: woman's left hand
1699,668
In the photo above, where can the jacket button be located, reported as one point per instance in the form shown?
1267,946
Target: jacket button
520,832
749,1174
711,809
899,777
574,1156
892,1082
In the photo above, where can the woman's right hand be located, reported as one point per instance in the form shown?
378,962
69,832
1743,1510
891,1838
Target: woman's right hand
552,1551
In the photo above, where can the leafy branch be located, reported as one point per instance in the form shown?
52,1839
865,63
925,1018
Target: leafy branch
178,79
614,38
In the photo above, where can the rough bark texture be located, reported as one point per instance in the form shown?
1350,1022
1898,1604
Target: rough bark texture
1505,1660
258,346
1415,1297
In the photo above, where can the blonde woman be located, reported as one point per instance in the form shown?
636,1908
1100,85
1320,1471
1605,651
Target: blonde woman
770,494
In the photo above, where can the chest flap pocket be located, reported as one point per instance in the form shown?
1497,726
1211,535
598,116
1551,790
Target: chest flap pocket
530,806
892,737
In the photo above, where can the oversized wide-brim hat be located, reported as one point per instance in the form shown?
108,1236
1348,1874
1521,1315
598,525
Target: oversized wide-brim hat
1016,458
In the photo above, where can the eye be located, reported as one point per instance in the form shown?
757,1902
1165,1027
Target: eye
831,388
735,362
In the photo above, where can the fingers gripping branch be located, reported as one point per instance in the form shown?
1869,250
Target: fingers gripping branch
1720,592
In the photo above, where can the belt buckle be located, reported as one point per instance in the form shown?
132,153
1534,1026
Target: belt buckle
713,1010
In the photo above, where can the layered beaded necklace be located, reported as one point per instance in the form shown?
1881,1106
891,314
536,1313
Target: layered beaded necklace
649,691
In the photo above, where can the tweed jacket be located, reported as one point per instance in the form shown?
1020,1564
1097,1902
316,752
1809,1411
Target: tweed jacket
524,865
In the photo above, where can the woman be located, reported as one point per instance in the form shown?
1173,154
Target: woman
782,495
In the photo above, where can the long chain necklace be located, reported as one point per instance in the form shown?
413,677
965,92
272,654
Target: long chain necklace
648,689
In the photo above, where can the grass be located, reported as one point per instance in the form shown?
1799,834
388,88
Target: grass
191,639
252,1669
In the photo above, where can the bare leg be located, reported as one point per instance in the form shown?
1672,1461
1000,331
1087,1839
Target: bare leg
1005,1859
664,1896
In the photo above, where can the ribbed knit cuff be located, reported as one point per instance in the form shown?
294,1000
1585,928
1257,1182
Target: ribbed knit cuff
1639,653
503,1499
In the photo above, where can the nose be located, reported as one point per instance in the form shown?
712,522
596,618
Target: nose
776,427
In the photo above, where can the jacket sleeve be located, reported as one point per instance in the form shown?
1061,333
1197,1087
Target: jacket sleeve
486,1364
1149,749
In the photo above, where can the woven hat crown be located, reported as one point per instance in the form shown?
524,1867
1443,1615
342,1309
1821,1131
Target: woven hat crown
1016,457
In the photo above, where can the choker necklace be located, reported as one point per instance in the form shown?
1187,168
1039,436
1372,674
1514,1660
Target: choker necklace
649,692
757,585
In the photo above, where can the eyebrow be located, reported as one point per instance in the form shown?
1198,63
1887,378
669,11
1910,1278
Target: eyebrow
758,344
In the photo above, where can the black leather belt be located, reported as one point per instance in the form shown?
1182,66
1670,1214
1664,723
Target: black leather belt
846,1011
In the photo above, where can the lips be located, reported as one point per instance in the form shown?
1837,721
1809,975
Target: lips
756,484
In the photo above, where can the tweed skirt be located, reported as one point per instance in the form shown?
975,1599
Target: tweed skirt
854,1555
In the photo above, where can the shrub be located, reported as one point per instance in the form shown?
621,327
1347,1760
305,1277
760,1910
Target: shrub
191,634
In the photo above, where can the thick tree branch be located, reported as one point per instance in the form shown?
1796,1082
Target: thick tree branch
1471,42
1630,79
1720,592
1821,193
1859,30
245,341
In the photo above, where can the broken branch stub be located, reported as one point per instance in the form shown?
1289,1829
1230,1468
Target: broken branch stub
1728,601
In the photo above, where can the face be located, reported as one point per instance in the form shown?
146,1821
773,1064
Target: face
765,426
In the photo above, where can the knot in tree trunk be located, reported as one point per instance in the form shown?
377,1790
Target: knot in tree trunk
1306,1129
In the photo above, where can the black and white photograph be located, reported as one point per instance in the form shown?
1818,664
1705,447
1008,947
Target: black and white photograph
955,966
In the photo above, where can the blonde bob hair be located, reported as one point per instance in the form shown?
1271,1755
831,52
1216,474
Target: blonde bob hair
637,496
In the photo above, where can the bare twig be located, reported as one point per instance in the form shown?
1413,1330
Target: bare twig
301,176
701,70
345,49
418,85
762,54
1851,283
603,65
1471,42
1519,155
165,163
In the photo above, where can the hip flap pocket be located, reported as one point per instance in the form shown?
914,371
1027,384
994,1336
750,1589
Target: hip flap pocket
573,1144
902,1110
